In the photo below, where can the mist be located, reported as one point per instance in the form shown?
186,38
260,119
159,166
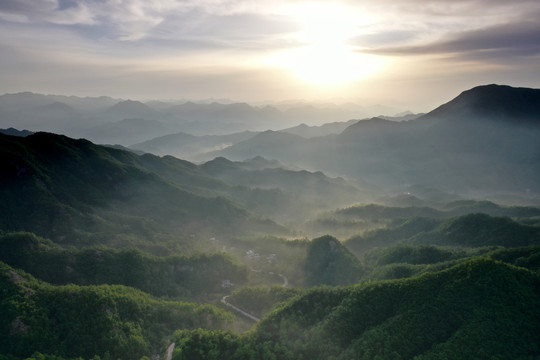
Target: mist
248,216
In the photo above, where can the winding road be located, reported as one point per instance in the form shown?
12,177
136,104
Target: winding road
285,280
169,351
237,309
246,314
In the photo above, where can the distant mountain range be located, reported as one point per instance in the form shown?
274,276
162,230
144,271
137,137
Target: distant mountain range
98,243
15,132
188,146
101,119
485,141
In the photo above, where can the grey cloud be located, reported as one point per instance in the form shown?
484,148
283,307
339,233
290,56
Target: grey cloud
138,19
63,12
384,38
27,6
517,39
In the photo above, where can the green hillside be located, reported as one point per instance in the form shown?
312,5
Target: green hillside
355,219
481,230
187,277
328,262
481,309
71,321
75,192
471,230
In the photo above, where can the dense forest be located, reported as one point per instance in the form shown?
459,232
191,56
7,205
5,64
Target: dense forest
109,321
481,309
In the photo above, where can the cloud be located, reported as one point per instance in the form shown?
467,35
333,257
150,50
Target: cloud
235,30
384,37
492,43
47,11
170,46
136,19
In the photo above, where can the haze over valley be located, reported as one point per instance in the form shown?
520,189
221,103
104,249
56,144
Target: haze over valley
294,180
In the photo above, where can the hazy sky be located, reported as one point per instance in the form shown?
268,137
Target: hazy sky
418,53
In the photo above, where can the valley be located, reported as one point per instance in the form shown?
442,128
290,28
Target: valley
127,226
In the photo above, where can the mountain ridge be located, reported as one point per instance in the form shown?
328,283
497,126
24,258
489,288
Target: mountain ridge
471,156
498,102
67,187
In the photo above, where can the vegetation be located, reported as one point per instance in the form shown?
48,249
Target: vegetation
472,230
100,249
480,309
260,300
353,220
192,277
328,262
69,321
481,230
75,192
268,257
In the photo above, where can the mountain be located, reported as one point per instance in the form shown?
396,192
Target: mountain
42,116
494,102
283,194
82,116
459,148
218,119
130,109
452,209
15,132
403,116
470,230
306,131
186,146
328,262
260,163
106,321
55,113
57,109
124,131
181,277
27,99
480,309
475,230
73,191
269,144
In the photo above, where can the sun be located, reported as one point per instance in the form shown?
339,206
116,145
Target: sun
325,55
328,64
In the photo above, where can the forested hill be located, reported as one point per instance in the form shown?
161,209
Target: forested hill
111,322
74,191
481,309
181,277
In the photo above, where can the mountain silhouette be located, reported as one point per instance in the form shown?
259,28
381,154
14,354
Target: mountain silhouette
485,141
495,102
131,109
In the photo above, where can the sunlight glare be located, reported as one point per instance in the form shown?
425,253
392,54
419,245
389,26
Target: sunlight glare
325,56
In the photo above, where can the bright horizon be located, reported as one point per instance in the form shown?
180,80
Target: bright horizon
410,54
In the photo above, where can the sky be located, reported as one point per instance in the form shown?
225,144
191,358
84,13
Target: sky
415,54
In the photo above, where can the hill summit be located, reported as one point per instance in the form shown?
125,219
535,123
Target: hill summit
520,105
